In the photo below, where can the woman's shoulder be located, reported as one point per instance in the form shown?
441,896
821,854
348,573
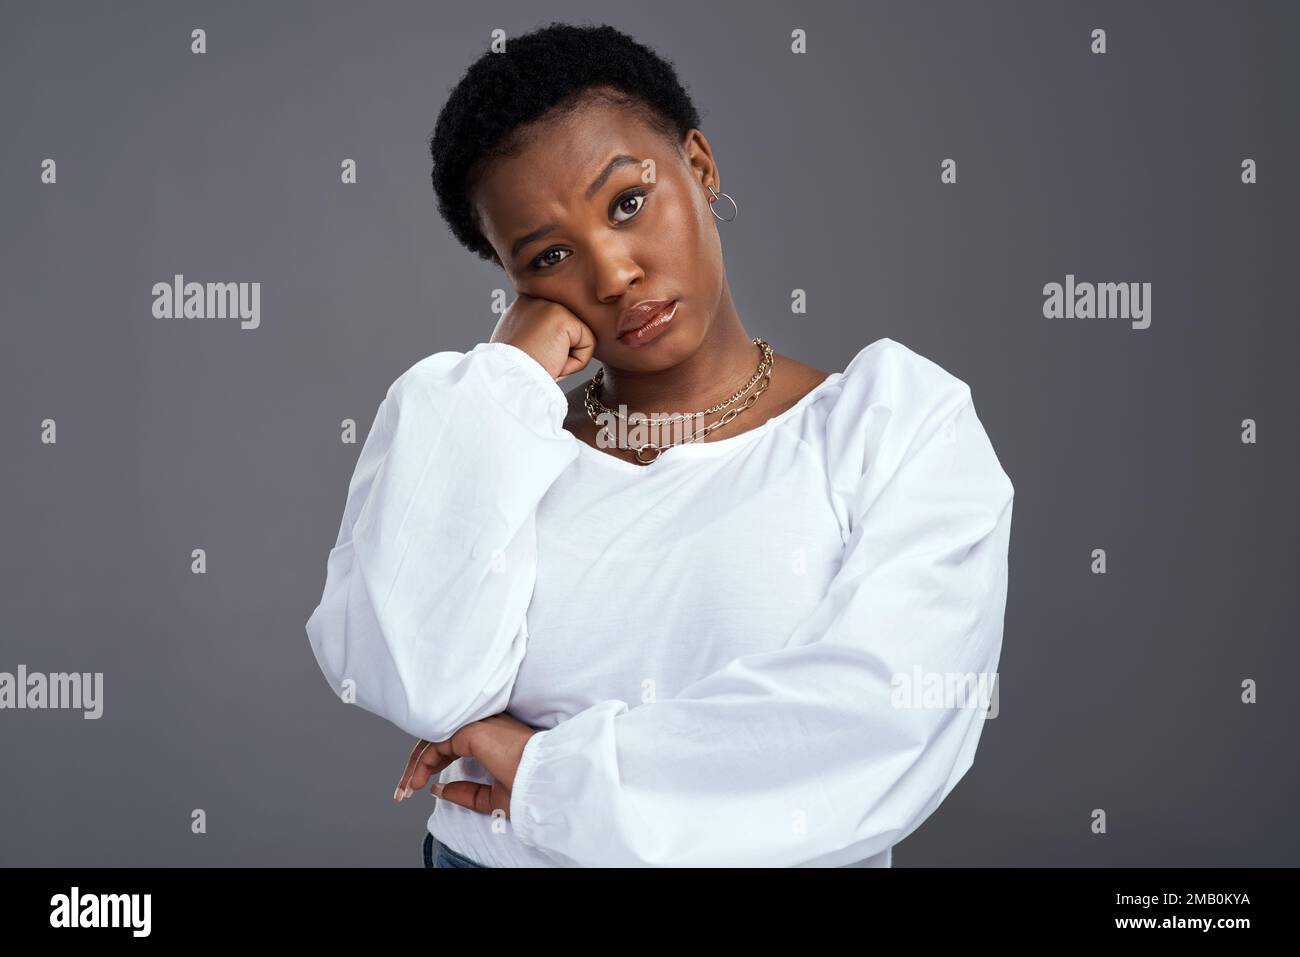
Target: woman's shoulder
884,380
888,400
888,377
887,364
882,367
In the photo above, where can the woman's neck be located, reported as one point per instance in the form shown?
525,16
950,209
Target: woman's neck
724,362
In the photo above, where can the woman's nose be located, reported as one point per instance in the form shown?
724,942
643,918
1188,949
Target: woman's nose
614,274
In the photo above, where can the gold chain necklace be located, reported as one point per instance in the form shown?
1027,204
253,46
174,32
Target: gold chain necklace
764,372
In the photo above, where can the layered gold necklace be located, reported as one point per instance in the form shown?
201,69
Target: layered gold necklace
764,373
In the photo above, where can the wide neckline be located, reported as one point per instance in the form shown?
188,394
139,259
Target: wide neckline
700,450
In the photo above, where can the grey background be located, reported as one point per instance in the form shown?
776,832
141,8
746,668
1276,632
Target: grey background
1118,691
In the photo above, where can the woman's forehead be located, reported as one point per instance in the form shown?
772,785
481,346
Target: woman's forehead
566,156
565,165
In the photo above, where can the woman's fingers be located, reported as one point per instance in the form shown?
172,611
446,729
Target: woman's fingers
578,359
432,760
428,758
581,351
571,365
582,346
470,794
417,752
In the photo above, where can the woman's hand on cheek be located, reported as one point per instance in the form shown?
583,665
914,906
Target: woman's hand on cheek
549,332
496,742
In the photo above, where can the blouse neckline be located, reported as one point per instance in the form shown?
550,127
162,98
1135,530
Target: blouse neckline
701,450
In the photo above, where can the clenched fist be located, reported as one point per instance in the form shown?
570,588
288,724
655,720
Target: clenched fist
560,342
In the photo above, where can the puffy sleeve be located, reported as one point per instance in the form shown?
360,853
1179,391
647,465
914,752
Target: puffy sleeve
422,617
842,741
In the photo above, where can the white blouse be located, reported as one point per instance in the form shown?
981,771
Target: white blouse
725,649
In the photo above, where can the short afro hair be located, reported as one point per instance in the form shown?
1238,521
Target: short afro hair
553,68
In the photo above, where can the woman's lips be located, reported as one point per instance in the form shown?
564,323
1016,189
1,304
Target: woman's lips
652,328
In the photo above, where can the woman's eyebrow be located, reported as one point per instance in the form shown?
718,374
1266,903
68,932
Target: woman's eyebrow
618,162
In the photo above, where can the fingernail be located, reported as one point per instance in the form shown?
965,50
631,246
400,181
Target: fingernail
408,793
395,791
437,790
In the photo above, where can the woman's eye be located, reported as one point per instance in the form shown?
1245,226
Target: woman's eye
541,262
637,197
629,204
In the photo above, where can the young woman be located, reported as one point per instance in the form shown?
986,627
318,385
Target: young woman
701,650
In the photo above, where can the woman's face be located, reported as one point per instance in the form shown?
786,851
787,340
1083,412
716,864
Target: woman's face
599,213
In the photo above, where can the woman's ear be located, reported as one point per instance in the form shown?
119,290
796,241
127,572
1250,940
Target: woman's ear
699,157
